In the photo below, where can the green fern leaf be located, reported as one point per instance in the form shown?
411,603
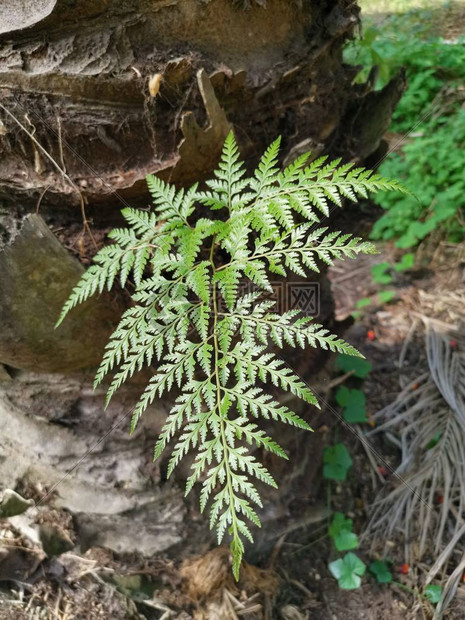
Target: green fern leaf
191,323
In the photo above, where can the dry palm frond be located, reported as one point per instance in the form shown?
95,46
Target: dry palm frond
450,589
427,422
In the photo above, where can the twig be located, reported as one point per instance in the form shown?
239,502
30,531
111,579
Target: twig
41,196
310,544
57,603
298,585
60,144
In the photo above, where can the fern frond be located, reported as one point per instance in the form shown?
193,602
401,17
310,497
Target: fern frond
216,356
133,323
174,207
299,250
287,328
228,184
100,276
142,223
252,363
267,171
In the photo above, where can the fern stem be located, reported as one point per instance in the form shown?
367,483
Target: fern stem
280,240
235,534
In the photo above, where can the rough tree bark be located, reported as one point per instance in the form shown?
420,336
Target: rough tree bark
94,95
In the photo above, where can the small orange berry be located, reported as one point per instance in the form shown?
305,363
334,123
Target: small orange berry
404,569
371,334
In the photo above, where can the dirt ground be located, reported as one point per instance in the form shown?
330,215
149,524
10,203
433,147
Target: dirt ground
293,582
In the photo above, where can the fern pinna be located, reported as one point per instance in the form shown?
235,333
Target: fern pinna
203,337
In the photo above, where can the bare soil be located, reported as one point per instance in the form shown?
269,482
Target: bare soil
293,582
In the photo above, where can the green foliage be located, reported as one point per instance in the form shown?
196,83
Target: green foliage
340,532
215,347
336,462
432,160
433,442
363,303
432,167
364,52
360,367
386,296
433,593
353,402
380,274
404,40
381,571
348,571
407,262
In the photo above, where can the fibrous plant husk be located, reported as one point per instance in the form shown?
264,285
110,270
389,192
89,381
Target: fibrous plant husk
208,582
427,422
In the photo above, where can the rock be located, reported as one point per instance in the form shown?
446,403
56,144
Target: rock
36,277
20,14
54,539
4,374
148,529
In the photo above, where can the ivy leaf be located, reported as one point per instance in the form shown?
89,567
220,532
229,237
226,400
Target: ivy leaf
353,402
346,540
348,571
433,593
337,462
381,571
341,533
358,365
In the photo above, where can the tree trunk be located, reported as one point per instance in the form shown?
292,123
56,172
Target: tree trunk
93,96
